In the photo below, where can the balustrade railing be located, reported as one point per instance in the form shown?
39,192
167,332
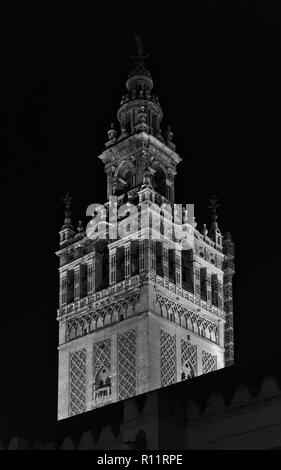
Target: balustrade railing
101,394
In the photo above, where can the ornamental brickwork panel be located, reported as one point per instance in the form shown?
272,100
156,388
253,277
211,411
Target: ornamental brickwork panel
209,362
78,382
167,358
127,364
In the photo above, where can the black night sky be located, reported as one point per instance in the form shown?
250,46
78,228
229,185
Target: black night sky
215,67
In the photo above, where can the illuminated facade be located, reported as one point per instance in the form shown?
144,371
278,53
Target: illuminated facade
138,311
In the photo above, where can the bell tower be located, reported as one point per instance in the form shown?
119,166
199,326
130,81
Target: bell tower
142,297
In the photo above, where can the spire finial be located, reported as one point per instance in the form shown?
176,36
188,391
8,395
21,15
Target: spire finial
67,212
112,133
169,138
204,230
80,227
213,205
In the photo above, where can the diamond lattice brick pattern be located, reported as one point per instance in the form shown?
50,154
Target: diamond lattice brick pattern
78,378
209,362
168,358
102,355
127,364
189,354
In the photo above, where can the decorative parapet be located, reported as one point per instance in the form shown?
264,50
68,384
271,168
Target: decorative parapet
101,297
87,302
81,306
195,300
213,247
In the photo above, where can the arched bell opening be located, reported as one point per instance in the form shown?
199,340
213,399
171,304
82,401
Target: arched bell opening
125,178
159,181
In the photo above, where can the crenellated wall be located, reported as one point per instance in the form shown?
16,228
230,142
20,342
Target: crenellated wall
226,409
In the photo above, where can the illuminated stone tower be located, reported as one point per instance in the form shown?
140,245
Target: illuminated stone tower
142,310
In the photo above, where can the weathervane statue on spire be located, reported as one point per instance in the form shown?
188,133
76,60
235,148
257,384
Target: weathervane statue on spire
139,44
139,56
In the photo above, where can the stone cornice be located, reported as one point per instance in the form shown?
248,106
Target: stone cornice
126,148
